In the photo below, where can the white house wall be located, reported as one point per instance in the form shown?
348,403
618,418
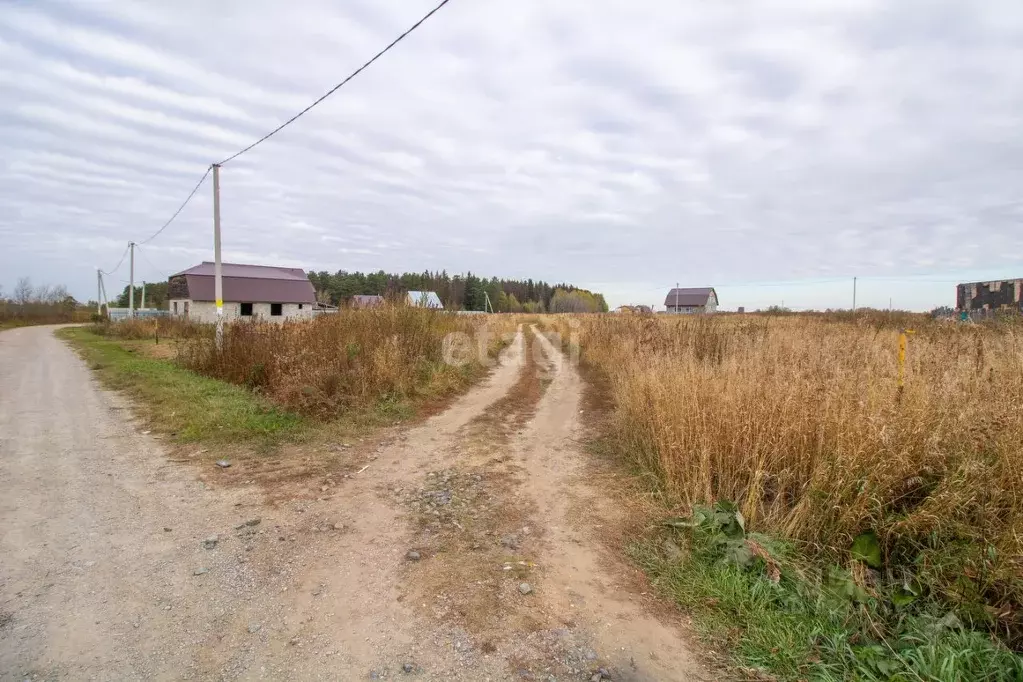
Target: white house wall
206,311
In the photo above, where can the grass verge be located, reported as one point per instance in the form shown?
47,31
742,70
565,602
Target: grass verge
190,407
783,617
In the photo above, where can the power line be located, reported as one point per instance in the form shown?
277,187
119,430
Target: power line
150,263
281,127
112,271
338,86
182,206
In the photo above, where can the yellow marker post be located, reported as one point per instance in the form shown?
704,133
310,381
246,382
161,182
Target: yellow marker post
902,357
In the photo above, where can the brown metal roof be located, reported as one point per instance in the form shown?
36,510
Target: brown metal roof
688,297
367,301
250,283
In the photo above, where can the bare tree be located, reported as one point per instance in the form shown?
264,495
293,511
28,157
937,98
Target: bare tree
56,294
23,291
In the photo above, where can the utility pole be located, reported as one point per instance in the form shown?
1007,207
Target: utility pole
218,283
143,306
131,282
854,295
103,288
676,298
99,291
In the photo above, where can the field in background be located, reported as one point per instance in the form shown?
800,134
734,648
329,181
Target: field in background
799,422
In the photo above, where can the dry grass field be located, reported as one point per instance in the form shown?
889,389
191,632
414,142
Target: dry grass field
335,363
823,521
800,422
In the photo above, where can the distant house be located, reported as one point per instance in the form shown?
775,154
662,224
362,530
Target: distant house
635,309
693,301
424,299
363,301
250,292
990,295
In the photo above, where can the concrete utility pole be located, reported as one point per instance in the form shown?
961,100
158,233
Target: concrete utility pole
105,300
131,282
99,291
854,294
218,283
143,306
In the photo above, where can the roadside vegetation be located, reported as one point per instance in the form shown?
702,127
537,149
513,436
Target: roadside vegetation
173,400
363,367
28,304
823,521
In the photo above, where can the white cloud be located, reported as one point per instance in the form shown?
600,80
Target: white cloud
624,145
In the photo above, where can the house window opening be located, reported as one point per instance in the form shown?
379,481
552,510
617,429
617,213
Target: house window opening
276,309
246,310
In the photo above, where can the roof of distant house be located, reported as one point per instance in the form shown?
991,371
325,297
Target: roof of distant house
424,299
694,296
366,300
249,283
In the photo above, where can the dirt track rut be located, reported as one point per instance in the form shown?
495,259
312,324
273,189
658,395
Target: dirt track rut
104,572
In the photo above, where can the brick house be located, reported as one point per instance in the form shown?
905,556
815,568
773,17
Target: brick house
250,292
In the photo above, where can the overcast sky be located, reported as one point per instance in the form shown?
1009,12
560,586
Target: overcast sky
620,145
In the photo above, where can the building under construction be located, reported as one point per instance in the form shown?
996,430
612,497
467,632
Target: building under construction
997,295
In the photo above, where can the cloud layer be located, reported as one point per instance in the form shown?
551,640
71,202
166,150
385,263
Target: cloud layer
625,145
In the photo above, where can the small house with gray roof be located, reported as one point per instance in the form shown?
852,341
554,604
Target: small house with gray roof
250,292
691,301
424,299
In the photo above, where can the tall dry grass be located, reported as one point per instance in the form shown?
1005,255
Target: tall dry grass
352,359
799,420
152,328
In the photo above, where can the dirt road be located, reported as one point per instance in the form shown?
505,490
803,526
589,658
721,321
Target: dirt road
453,550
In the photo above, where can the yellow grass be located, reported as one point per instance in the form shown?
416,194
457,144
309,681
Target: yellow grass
334,363
799,420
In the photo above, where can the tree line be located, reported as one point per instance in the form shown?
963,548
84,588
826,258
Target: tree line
459,292
36,304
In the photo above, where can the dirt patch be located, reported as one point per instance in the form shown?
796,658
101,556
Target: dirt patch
508,415
166,349
475,551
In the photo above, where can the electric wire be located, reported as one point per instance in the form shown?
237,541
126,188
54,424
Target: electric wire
180,208
338,86
279,128
114,269
150,263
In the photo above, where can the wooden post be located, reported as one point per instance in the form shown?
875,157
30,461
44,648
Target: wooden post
901,381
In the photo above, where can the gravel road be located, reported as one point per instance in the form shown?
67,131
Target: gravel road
99,534
118,561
